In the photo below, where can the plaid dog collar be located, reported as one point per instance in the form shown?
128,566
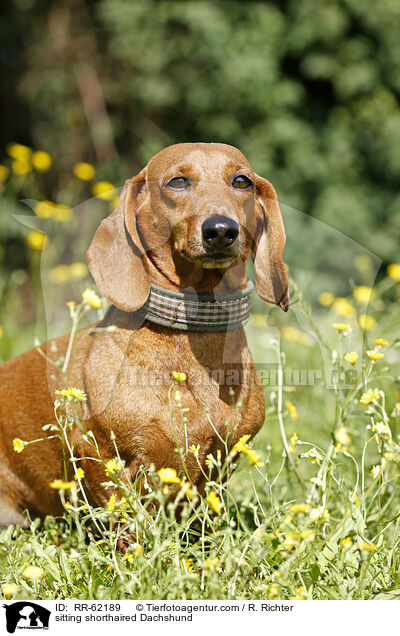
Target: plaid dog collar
190,312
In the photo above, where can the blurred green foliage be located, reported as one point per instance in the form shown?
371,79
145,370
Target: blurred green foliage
307,90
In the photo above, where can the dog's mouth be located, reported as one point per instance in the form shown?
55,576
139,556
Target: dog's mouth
212,260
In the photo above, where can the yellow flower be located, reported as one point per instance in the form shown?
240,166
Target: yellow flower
274,591
103,190
187,564
317,481
319,514
4,173
33,573
342,436
313,455
259,320
212,564
291,540
363,262
91,298
79,473
215,502
18,151
343,307
347,542
60,274
62,212
44,209
381,429
21,168
375,355
240,446
112,466
41,160
253,457
60,484
210,459
122,506
370,395
186,487
301,507
9,590
72,394
364,545
295,335
363,294
393,271
71,304
293,441
111,504
137,549
351,356
194,448
168,475
292,410
84,171
18,445
307,535
366,322
381,342
179,376
340,326
37,240
178,396
395,412
78,270
326,299
301,594
387,457
375,471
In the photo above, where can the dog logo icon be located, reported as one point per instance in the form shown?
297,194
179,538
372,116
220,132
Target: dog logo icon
26,615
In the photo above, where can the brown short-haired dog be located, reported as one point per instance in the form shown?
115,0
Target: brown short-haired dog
171,259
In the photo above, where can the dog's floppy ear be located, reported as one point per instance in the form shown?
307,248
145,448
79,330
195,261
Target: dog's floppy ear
115,256
269,240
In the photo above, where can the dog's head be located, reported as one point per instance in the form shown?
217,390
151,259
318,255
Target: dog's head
191,218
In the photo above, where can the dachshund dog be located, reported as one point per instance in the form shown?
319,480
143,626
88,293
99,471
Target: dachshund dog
171,259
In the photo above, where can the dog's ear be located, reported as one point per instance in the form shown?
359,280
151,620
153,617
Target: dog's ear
115,256
268,243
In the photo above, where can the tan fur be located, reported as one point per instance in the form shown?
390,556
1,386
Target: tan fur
153,236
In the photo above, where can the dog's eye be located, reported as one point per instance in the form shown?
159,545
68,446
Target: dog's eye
242,182
178,183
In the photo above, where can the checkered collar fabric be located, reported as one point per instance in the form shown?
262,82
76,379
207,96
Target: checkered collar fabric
193,312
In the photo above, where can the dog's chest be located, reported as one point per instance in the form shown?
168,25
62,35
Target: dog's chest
157,395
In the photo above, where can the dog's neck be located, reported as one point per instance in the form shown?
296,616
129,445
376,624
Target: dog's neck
197,312
184,275
188,297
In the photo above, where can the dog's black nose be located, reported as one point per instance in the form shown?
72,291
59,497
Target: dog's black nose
219,232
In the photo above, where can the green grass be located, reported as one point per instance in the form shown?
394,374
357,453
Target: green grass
273,533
